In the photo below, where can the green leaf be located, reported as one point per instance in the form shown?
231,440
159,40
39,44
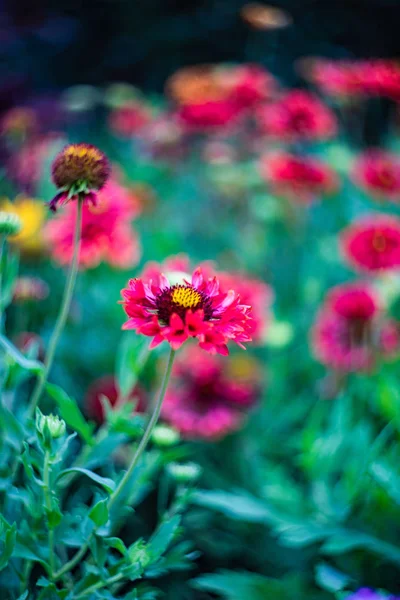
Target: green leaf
9,543
240,506
70,412
385,476
99,513
33,366
163,536
117,544
131,360
330,579
24,595
105,482
54,516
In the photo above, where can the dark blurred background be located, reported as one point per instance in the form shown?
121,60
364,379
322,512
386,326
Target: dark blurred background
52,44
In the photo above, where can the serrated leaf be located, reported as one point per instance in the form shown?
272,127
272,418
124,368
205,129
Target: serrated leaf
163,536
105,482
70,412
99,513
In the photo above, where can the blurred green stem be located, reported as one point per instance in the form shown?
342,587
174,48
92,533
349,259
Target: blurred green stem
48,504
100,584
62,315
147,434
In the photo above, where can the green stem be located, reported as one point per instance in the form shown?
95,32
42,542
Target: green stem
100,584
48,504
143,443
63,314
149,429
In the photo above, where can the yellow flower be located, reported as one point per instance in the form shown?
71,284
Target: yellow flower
32,214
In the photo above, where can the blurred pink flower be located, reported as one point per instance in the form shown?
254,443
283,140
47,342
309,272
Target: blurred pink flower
128,120
213,115
298,115
378,173
351,331
372,244
107,235
106,386
208,397
300,178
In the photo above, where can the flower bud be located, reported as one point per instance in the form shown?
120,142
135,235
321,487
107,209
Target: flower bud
184,472
10,223
49,427
164,436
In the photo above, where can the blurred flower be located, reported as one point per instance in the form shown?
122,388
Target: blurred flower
18,123
32,215
252,292
195,84
372,244
262,16
349,78
25,166
298,115
350,331
378,173
208,397
299,178
129,119
195,307
107,235
188,472
368,594
250,85
162,138
209,116
106,386
30,288
79,169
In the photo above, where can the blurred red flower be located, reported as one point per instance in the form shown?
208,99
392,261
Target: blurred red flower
378,173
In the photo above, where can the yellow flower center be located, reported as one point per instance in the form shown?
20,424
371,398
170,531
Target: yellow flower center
80,151
186,297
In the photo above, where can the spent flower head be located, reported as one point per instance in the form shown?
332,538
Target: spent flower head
10,223
79,170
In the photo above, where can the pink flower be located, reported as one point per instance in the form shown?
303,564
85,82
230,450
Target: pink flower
298,115
252,291
208,397
195,308
251,84
213,115
129,119
372,244
351,332
106,386
378,173
26,165
107,235
300,178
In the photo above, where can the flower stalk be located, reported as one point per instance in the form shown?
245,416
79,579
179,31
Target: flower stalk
48,505
63,314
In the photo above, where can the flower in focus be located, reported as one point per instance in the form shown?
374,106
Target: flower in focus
299,178
79,169
208,397
129,119
253,292
378,173
372,244
262,16
351,331
30,288
195,307
298,115
106,386
32,214
106,236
